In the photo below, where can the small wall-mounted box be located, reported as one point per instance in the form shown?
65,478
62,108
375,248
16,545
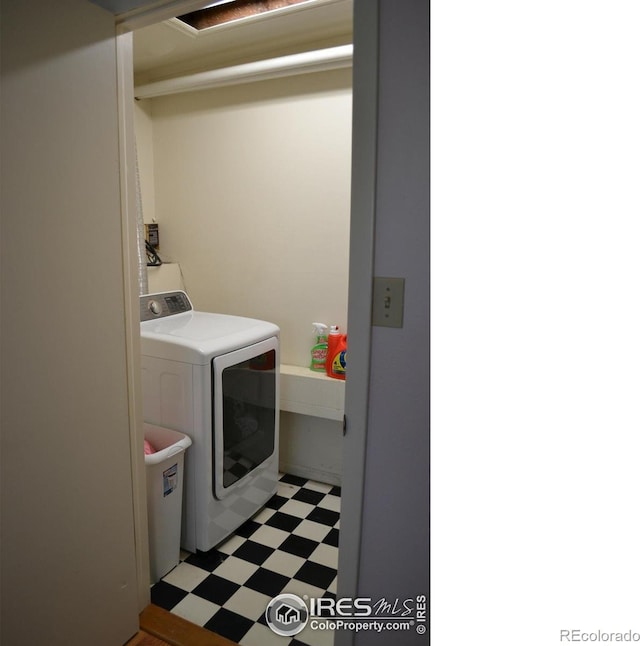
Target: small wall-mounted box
152,234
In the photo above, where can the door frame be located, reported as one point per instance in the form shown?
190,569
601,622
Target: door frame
361,256
128,180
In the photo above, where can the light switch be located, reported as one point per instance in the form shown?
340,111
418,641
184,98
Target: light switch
388,301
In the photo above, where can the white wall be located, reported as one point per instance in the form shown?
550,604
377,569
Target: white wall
252,190
68,560
311,447
144,150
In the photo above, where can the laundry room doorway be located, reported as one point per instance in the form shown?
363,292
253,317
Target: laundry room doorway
186,241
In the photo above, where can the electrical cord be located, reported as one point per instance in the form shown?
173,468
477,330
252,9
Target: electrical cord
153,259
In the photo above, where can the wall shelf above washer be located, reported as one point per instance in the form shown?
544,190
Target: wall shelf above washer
311,393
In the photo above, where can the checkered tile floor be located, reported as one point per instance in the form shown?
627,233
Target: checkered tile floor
289,546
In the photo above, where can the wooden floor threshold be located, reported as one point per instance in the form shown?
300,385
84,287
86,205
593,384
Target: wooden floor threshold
175,631
145,639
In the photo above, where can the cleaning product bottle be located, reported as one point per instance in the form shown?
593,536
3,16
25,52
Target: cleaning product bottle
337,354
319,350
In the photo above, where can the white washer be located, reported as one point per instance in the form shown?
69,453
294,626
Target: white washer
214,377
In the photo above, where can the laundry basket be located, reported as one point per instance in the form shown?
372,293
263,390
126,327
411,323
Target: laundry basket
165,475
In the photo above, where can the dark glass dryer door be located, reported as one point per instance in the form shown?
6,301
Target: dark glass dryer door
245,413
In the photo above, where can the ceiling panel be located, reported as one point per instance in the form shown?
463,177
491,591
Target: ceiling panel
121,6
169,49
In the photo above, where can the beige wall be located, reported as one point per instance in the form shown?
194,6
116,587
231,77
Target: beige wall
144,149
252,195
68,560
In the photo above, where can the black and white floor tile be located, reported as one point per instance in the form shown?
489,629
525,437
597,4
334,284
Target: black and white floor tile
289,546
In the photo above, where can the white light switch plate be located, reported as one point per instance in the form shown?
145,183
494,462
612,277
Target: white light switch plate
388,301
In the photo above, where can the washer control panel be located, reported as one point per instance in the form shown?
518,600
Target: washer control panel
156,306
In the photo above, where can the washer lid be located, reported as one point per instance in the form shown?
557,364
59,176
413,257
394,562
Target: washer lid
197,337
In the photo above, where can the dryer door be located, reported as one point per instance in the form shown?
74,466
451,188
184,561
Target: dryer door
245,414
